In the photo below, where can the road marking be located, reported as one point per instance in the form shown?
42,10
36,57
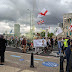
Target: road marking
34,55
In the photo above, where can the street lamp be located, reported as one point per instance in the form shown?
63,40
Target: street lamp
30,20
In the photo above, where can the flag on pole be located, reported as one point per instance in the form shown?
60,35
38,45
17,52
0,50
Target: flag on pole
40,22
43,13
58,31
11,31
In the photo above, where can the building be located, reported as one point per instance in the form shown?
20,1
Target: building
67,20
17,30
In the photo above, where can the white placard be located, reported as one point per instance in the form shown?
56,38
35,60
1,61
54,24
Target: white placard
39,43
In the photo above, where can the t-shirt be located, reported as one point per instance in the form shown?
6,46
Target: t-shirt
24,42
49,41
21,39
28,41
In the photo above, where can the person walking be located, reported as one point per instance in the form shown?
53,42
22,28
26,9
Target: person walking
3,43
24,45
56,42
59,45
51,39
29,44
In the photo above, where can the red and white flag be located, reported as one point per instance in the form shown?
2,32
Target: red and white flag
70,28
40,22
43,13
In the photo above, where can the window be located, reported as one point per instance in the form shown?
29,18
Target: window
66,27
70,32
70,20
67,33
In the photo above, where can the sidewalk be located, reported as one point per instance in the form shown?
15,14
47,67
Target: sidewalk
13,64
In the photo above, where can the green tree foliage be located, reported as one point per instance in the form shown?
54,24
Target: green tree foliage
43,34
50,34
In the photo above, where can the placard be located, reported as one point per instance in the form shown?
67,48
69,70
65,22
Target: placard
39,43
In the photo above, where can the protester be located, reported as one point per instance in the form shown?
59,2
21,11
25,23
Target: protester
59,45
51,39
65,44
3,43
69,58
28,44
56,41
49,42
24,45
68,41
21,39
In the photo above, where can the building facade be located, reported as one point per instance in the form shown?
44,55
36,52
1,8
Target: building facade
16,30
67,20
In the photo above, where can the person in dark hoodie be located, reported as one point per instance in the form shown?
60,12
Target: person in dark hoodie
3,43
69,58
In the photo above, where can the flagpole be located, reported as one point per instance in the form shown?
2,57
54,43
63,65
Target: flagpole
30,21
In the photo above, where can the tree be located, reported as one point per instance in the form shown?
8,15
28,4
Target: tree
50,34
43,34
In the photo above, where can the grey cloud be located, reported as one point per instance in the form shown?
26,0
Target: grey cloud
14,10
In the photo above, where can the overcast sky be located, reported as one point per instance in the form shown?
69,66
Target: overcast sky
16,11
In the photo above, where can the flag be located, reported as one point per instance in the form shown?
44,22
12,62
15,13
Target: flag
40,22
43,13
58,31
11,31
70,28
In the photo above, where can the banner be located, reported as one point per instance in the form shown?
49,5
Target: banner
39,43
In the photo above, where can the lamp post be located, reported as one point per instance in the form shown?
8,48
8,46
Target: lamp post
30,20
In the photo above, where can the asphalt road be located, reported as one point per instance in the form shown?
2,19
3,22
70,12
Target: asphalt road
48,53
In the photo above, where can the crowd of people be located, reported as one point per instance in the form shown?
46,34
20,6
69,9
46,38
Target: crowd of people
64,46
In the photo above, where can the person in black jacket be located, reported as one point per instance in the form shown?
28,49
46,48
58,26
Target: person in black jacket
3,43
51,39
69,58
68,41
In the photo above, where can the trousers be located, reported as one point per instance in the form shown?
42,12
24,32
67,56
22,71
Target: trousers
1,56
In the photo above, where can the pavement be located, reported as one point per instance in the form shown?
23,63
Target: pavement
15,61
13,64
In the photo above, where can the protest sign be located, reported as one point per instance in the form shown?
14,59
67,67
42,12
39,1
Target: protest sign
39,43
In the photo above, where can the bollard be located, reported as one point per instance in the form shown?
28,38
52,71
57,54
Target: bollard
61,64
32,61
